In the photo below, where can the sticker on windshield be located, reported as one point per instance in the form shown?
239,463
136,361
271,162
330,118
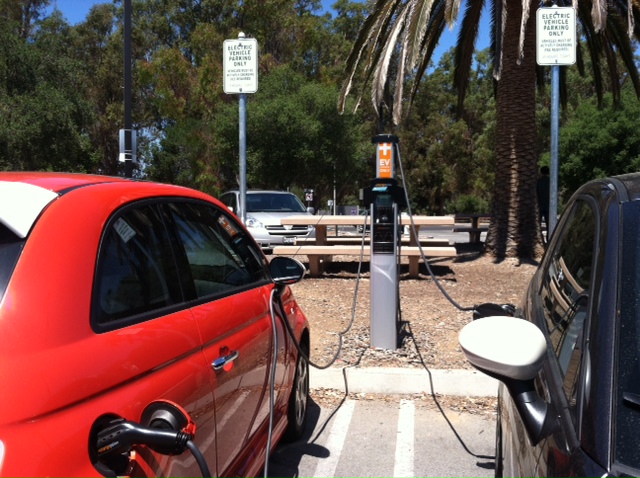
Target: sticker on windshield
124,230
227,226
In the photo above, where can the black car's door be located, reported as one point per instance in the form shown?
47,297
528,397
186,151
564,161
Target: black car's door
561,309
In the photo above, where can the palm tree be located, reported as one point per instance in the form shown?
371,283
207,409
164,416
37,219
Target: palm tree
401,35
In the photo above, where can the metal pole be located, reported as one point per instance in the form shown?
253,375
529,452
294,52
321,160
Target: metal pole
335,202
555,121
128,164
242,113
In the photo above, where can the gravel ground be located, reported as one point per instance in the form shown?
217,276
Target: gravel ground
431,322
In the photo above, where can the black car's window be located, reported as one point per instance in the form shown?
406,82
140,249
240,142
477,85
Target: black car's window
566,288
136,271
221,256
627,398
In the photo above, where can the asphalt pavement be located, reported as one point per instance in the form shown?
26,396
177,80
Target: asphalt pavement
388,438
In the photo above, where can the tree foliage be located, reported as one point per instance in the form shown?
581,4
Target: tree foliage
599,142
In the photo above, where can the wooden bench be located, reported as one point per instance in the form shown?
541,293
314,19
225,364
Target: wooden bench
319,255
356,241
474,232
474,229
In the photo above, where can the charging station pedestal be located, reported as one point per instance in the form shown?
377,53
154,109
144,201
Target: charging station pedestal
384,198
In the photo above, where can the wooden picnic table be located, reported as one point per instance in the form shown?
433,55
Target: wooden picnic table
324,248
474,229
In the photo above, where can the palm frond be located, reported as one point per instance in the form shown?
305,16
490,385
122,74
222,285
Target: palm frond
397,103
370,31
452,8
499,15
418,24
437,25
580,59
594,46
377,48
382,66
617,34
465,48
526,9
599,14
612,63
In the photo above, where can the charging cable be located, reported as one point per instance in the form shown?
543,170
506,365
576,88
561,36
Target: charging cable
415,233
272,381
351,320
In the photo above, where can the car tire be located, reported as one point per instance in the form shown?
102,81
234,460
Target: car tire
299,399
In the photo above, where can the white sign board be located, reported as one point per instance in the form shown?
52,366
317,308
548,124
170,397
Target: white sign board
556,36
240,65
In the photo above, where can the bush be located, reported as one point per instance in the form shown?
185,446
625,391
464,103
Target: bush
468,204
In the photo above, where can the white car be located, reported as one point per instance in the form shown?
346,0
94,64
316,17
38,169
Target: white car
265,209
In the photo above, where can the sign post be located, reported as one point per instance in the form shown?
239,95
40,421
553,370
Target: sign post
240,65
555,46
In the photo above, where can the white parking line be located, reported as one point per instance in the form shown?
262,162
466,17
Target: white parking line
403,466
326,467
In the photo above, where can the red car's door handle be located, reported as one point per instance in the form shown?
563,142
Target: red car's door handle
219,363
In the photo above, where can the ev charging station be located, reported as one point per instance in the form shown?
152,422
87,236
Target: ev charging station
384,198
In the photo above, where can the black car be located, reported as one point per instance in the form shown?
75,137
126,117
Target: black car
569,401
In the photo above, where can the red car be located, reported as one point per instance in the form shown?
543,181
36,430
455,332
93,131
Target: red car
138,322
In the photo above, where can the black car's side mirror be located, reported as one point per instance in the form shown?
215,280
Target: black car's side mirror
286,271
512,351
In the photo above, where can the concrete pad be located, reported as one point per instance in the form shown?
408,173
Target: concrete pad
469,383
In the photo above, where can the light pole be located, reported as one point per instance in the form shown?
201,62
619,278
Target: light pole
127,136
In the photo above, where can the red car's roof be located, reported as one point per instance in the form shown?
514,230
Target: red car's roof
57,182
24,195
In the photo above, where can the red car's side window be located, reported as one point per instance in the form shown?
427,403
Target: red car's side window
220,254
136,271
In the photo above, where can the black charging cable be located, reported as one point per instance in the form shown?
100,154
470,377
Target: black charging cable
272,380
415,233
340,334
197,454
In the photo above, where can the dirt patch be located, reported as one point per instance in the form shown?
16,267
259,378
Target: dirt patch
431,323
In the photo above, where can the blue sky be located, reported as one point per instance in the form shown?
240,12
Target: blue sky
75,11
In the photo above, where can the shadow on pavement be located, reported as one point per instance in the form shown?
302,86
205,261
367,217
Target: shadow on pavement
285,460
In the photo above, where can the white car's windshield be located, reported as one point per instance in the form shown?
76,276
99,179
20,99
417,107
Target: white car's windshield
269,202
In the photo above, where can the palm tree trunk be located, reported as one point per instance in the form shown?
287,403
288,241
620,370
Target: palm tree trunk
514,229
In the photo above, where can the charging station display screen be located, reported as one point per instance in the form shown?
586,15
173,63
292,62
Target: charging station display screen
383,223
384,200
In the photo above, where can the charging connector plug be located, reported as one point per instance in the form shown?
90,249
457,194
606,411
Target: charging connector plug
121,435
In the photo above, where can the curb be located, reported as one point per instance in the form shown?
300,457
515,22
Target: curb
469,383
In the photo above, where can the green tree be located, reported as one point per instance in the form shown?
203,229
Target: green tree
446,155
193,125
296,138
598,142
416,26
44,116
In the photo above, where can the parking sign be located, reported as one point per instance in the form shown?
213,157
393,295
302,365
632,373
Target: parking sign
556,36
240,65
